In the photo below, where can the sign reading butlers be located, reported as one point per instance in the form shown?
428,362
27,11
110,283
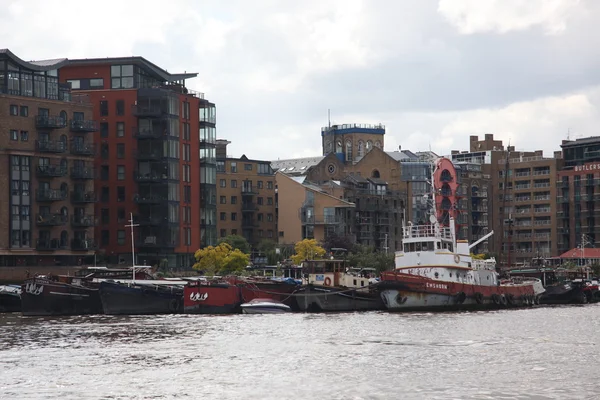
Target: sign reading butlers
587,167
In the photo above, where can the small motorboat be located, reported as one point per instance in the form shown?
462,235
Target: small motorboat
10,298
264,306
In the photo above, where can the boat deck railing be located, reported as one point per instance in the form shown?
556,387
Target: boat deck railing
426,231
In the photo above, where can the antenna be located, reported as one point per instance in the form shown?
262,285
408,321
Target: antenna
132,225
569,134
329,117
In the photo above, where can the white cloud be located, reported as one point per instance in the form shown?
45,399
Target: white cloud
475,16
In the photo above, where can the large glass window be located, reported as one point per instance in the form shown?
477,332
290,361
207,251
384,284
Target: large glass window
121,76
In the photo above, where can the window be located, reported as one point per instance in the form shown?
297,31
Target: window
270,233
248,167
186,152
104,216
25,211
104,151
187,215
14,134
233,216
75,83
223,200
104,194
270,217
104,169
15,188
120,215
24,111
187,173
96,83
104,237
265,169
233,183
223,183
187,194
233,166
260,217
120,129
269,185
120,107
186,131
120,172
120,237
25,188
120,193
103,108
120,150
234,231
223,232
187,236
24,136
259,184
259,201
223,216
104,129
14,109
233,199
121,76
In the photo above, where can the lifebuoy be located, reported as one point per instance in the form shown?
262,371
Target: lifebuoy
327,281
456,258
503,299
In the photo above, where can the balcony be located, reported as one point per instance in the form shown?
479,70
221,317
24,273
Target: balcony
142,134
50,146
321,219
49,245
82,173
49,122
83,244
49,195
364,235
50,171
249,207
151,220
248,191
155,242
146,111
248,223
83,126
56,219
149,199
83,149
151,177
150,155
81,197
83,221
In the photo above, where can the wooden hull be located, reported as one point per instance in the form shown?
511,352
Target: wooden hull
119,299
41,296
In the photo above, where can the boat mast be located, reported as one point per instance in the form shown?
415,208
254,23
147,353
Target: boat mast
132,225
509,220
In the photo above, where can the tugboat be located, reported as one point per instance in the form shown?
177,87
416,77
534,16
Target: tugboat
10,298
331,285
435,271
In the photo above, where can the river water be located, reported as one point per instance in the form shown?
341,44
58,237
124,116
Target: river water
540,353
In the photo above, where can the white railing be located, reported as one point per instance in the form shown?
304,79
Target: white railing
425,231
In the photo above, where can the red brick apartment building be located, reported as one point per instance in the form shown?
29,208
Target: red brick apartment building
155,158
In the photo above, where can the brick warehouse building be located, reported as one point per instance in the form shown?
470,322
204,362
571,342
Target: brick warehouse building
156,159
47,151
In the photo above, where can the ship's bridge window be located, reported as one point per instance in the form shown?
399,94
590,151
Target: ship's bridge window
418,246
438,245
426,246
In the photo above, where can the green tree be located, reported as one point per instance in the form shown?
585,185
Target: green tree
269,248
237,242
337,241
222,259
307,249
366,257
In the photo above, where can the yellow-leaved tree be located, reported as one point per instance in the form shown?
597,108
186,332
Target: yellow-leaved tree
307,249
220,260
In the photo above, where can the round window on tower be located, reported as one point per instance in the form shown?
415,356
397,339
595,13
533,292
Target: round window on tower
331,168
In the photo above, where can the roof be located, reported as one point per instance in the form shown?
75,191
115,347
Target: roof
578,142
136,60
377,181
403,155
42,65
296,166
577,253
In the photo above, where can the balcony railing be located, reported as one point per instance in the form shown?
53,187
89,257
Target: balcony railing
49,122
321,219
82,126
80,197
249,223
49,244
248,191
83,149
155,242
82,173
156,154
148,133
149,177
50,146
56,219
149,199
83,244
146,111
249,207
43,195
50,171
83,221
151,220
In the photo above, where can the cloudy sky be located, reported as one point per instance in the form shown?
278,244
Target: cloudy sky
433,71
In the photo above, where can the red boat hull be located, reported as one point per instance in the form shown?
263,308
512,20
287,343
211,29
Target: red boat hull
404,292
221,298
